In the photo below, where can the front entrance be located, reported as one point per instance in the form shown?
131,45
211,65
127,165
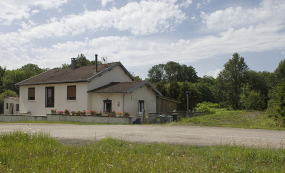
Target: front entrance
107,105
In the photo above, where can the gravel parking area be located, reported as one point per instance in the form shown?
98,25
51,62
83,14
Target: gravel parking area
186,135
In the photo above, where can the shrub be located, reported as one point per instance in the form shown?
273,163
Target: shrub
205,106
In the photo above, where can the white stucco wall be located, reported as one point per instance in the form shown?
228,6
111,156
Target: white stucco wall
115,75
10,100
132,101
96,101
130,104
37,106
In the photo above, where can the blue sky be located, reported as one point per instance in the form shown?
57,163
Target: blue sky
140,34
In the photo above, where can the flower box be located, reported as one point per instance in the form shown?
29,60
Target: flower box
105,114
112,114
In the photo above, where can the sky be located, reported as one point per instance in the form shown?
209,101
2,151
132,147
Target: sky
140,34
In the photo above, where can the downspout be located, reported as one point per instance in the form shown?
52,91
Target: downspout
123,103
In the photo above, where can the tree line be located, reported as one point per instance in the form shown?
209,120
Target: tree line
236,87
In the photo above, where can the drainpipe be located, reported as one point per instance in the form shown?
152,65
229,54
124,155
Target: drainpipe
123,103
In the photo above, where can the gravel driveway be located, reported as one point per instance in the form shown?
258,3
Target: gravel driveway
186,135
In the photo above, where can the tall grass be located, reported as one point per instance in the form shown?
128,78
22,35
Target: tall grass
235,119
37,152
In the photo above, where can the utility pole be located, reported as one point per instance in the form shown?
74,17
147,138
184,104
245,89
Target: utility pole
187,94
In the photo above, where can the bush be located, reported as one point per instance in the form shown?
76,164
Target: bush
208,107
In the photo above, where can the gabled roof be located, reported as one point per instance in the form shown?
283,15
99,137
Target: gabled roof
68,75
123,87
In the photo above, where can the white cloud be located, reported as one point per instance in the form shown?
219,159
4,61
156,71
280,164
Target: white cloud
268,13
198,6
11,10
283,53
144,18
134,52
186,3
214,73
105,2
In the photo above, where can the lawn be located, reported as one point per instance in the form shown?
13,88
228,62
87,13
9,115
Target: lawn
38,152
234,119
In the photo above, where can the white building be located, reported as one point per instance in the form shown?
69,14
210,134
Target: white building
104,87
11,105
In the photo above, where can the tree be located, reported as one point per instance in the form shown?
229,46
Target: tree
156,73
2,73
6,93
173,90
192,99
32,69
251,99
187,74
172,71
207,79
82,60
137,78
160,86
206,94
12,77
280,72
231,79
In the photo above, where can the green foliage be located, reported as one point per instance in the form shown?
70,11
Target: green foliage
230,80
252,100
2,73
7,93
208,107
156,73
137,78
172,71
83,61
280,72
173,91
280,100
11,77
37,152
205,90
207,79
192,99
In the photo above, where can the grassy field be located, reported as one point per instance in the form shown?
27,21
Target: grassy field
234,119
37,152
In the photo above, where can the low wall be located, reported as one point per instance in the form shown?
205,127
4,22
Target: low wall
66,118
12,118
89,119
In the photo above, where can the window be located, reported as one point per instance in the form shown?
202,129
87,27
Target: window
7,106
17,107
31,93
107,105
71,92
49,96
141,106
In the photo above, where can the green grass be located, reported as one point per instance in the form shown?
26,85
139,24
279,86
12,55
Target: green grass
234,119
37,152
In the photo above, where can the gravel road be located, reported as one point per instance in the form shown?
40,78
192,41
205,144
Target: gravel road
186,135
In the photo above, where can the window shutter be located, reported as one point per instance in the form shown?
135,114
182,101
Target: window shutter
31,92
71,91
